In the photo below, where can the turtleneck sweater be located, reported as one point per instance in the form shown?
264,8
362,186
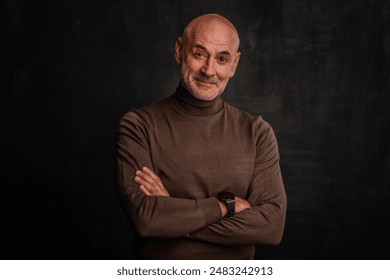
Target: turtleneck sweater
199,148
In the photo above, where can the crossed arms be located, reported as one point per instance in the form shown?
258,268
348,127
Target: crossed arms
259,217
150,184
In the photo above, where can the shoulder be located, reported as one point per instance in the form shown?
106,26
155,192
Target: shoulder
260,130
146,114
255,121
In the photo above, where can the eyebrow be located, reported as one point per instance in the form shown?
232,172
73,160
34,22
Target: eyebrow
200,46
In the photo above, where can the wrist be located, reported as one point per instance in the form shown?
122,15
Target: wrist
228,199
223,208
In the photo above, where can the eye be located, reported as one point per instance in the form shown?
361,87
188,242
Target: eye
199,54
222,59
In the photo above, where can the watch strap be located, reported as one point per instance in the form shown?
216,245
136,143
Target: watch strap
228,199
230,205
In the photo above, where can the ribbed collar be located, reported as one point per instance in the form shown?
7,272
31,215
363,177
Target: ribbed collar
191,105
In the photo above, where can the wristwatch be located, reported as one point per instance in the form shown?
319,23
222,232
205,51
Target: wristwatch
229,199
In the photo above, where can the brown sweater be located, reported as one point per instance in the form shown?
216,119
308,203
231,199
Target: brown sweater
199,148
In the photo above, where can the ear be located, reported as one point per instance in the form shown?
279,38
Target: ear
235,64
178,47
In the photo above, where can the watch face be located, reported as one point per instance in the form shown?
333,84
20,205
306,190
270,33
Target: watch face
226,195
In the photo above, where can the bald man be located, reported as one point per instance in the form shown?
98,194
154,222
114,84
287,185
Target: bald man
199,178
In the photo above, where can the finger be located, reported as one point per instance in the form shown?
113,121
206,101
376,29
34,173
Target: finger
150,177
152,192
151,173
145,190
146,177
146,184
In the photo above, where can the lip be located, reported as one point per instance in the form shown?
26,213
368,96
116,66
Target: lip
203,82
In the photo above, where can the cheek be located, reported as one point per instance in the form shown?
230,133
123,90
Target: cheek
192,64
224,73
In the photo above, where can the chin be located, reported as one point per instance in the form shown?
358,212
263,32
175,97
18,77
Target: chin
207,96
204,94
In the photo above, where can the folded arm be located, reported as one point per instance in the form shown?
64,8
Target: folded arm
263,223
260,217
155,216
150,184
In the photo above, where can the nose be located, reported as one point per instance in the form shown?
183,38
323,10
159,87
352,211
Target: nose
208,68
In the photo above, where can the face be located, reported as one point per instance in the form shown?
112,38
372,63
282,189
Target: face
208,58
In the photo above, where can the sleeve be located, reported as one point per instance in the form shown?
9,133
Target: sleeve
263,223
152,216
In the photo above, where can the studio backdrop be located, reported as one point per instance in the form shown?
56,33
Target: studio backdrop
317,71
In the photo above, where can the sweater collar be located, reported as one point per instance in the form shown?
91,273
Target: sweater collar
191,105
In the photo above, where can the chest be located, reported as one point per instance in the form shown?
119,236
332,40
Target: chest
201,157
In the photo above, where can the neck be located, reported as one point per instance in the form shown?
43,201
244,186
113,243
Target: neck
192,105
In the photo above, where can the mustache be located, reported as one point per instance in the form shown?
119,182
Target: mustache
204,78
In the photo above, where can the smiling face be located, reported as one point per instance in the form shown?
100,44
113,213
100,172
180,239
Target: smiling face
208,55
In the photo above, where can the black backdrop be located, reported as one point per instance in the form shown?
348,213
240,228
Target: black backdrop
318,71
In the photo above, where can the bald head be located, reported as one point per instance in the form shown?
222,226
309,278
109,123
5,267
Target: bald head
215,24
208,54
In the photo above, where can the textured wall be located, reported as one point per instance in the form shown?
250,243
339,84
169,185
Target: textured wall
318,71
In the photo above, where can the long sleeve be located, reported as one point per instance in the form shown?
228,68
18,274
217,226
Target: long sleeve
154,216
264,222
199,148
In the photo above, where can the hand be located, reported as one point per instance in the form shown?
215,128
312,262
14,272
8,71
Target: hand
241,204
149,183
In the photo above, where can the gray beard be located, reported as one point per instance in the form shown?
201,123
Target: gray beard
200,77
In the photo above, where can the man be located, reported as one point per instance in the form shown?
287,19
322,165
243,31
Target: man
199,178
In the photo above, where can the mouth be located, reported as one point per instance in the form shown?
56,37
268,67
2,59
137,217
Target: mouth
206,82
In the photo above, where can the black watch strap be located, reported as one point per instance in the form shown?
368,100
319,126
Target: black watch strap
231,207
229,199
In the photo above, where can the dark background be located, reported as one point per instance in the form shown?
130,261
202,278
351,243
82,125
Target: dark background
318,71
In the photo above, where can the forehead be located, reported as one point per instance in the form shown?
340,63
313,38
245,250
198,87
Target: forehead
213,36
